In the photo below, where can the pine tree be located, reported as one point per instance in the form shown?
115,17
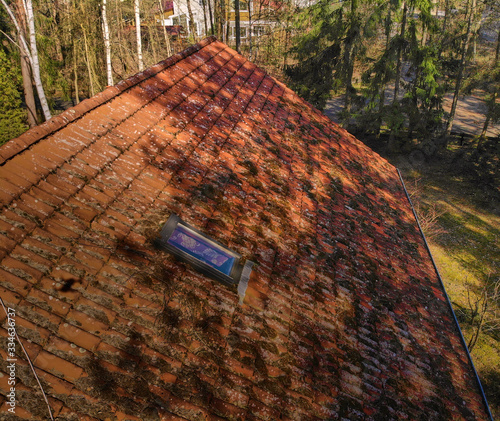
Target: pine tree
317,49
422,101
382,70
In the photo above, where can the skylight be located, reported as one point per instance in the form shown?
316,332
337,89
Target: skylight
204,254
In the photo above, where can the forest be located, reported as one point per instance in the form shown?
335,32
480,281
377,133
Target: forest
390,62
393,61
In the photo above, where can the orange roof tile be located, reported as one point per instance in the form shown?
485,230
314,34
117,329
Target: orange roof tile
344,316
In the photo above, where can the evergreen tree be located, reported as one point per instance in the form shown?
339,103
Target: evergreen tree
422,101
329,40
382,70
12,115
411,61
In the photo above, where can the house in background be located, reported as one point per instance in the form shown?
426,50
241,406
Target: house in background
199,243
257,18
174,14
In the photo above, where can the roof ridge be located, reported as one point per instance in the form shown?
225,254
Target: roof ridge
35,134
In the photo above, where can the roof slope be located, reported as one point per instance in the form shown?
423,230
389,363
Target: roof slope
344,316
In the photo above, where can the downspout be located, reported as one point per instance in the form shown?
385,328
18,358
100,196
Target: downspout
485,401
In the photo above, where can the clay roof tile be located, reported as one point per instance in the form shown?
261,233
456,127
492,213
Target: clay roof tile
343,316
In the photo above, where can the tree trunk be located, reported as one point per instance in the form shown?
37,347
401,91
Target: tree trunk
349,89
380,110
387,27
56,29
211,17
137,13
447,10
458,81
217,19
486,124
30,54
87,60
165,34
223,33
494,96
192,27
399,54
204,6
152,43
349,55
250,39
237,24
29,95
107,44
75,70
119,35
34,59
222,20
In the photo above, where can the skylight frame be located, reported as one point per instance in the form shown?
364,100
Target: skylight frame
167,242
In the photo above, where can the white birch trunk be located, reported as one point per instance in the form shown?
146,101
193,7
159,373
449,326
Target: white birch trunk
138,32
107,44
24,45
34,58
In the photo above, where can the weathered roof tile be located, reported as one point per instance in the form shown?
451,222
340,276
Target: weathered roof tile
117,325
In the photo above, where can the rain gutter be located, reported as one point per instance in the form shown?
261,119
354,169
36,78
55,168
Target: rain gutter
485,401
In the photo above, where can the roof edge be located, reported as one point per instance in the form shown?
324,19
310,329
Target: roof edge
450,306
35,134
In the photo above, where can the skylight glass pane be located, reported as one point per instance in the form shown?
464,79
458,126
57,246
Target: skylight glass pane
203,253
202,249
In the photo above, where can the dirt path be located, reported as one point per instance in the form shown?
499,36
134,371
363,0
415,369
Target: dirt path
469,117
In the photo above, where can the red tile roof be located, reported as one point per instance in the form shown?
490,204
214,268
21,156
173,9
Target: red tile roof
344,316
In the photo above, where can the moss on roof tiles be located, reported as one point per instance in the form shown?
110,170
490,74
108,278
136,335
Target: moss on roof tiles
343,317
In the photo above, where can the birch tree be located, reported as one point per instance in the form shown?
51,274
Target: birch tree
137,12
107,44
35,65
30,52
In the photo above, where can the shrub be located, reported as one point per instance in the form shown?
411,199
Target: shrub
12,114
